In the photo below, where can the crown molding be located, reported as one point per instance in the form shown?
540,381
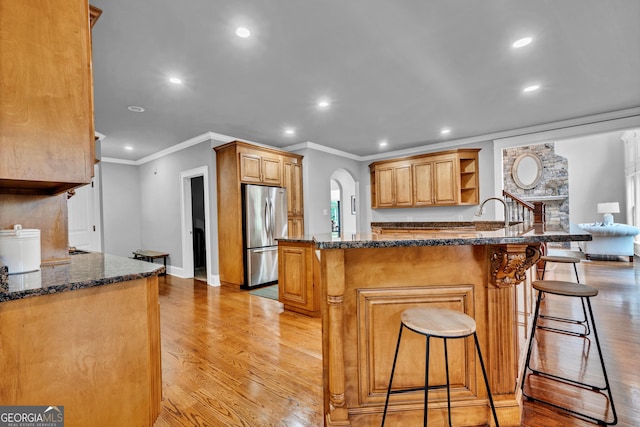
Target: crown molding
119,161
215,138
313,146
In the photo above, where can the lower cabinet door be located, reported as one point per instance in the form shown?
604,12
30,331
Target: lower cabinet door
295,278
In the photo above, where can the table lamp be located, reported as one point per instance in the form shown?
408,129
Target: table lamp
608,208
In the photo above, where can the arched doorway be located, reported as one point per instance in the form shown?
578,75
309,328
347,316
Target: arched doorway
343,202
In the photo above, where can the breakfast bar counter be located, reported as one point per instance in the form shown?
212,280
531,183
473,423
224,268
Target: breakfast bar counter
86,336
366,280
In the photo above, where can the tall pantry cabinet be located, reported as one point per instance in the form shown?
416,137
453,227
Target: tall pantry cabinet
240,163
46,115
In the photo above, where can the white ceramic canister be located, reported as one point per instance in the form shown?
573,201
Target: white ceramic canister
20,249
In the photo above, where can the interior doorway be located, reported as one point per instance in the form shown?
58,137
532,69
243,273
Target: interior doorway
195,216
344,196
336,214
198,229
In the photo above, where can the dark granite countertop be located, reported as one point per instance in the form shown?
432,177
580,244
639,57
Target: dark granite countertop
84,271
443,234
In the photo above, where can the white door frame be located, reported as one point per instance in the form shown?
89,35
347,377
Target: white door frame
187,223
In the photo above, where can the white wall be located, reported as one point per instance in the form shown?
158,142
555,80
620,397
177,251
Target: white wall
160,188
596,174
121,209
141,205
317,168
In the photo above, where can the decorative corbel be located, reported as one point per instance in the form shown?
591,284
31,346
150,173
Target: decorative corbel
509,263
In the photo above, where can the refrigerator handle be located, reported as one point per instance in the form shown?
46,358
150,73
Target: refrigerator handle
267,218
272,220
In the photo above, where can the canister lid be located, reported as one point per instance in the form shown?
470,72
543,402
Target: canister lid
19,232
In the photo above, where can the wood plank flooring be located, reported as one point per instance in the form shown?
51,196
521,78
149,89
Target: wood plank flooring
234,359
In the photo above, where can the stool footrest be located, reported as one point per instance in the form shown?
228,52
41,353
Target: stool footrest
567,380
563,331
584,323
576,413
408,390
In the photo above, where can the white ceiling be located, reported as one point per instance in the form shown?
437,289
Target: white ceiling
397,70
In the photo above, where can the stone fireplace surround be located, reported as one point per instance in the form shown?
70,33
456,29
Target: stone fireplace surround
553,187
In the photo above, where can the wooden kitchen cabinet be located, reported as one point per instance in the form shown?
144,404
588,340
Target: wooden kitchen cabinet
295,226
46,115
438,179
240,163
293,184
46,104
435,182
394,185
296,288
258,169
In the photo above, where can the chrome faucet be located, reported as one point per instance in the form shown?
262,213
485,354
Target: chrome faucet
506,210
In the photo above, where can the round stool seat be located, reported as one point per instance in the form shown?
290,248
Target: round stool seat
568,289
438,322
563,259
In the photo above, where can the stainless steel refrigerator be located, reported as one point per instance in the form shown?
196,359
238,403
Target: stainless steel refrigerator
265,220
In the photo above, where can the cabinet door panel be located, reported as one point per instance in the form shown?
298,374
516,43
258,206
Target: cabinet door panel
423,187
384,184
295,227
403,186
250,167
446,185
295,281
271,171
293,184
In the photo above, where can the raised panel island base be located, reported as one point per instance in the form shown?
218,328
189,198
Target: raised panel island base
368,280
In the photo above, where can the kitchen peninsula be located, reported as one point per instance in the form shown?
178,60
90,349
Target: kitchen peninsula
84,335
367,280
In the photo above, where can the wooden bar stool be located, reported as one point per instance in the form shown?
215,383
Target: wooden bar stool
437,323
573,290
584,323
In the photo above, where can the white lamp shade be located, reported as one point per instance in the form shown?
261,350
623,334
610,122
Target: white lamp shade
608,207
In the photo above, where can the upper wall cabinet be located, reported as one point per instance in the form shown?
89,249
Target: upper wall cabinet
394,185
446,178
260,169
46,100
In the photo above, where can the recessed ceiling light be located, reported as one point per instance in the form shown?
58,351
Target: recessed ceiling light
445,131
531,88
324,103
243,32
135,109
290,131
128,148
522,42
383,143
175,80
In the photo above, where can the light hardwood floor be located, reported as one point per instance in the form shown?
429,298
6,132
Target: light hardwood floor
234,359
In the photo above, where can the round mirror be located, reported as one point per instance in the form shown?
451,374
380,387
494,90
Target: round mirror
527,170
